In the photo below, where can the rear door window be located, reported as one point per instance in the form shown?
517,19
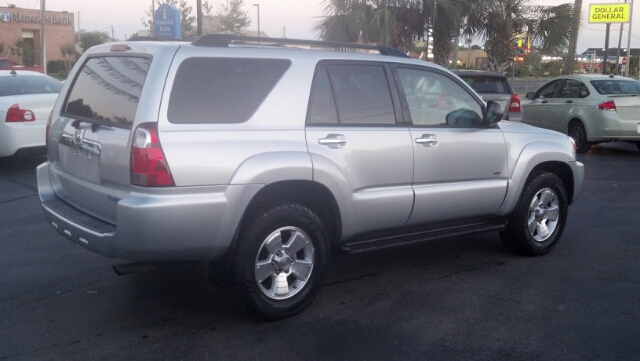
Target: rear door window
107,90
351,94
488,84
222,90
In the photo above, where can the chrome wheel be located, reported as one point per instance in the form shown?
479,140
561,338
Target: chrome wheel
284,263
544,213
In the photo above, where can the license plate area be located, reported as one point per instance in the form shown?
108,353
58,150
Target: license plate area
80,157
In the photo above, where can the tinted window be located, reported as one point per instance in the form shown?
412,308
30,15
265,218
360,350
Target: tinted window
488,84
616,86
362,94
573,89
107,89
322,106
28,84
549,89
437,100
222,90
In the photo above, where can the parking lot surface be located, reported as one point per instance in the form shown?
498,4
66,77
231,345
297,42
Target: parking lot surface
454,299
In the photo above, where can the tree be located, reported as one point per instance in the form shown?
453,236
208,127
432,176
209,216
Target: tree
397,23
575,27
186,20
207,8
499,22
67,50
232,18
22,50
92,38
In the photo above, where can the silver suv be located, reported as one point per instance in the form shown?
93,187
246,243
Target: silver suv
261,155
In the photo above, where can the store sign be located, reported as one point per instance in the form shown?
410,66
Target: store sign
7,16
168,23
609,13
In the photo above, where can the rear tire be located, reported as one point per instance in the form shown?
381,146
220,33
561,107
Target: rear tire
283,257
538,220
579,135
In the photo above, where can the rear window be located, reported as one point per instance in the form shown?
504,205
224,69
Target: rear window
107,90
222,90
28,84
488,84
616,86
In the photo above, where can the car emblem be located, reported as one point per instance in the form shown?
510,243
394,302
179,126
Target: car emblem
77,137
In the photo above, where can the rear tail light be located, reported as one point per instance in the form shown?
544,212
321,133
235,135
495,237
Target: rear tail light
514,104
149,167
607,105
16,115
46,132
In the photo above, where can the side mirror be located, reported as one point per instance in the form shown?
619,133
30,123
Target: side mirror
494,112
531,95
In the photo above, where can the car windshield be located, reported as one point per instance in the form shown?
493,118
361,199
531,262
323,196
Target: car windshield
615,86
487,84
28,84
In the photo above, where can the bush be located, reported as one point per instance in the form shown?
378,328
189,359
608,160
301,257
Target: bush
56,66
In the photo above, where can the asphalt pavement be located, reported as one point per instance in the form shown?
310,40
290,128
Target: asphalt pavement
465,298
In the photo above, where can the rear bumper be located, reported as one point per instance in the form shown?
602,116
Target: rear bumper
18,138
194,223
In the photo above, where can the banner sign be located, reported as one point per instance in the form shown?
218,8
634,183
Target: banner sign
609,13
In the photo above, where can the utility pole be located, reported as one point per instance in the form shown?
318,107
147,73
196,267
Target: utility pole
258,6
199,17
605,63
42,37
575,26
626,68
113,36
619,44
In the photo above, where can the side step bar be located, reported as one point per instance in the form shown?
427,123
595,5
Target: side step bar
379,243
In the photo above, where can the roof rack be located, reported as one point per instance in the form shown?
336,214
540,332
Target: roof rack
223,41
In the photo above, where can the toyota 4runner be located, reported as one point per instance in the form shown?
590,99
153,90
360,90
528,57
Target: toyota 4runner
260,155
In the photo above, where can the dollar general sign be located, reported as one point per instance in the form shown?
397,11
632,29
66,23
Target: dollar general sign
609,13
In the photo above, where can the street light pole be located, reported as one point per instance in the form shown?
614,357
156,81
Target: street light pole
43,49
258,6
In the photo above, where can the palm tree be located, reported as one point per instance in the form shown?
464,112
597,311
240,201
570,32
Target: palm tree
395,23
499,22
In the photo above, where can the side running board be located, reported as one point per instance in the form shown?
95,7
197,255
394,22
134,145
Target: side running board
379,243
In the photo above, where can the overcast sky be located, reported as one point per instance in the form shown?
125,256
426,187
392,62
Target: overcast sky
294,18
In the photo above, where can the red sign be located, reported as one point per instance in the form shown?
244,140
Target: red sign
624,61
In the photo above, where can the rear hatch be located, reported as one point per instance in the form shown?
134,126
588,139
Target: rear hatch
493,88
112,89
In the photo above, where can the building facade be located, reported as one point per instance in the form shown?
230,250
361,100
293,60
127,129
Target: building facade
24,24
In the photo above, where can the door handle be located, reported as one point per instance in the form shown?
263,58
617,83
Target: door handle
569,101
544,101
333,140
428,140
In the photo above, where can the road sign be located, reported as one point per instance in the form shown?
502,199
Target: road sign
609,13
624,61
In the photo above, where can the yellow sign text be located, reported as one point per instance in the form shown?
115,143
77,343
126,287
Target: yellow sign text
609,13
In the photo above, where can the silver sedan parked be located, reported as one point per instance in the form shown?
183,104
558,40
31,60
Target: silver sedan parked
589,108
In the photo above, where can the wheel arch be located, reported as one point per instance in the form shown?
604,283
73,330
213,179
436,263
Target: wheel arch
539,157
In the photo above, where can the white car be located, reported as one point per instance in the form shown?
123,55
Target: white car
591,109
26,99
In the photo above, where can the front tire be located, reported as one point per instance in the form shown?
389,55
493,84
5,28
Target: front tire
579,135
538,221
282,259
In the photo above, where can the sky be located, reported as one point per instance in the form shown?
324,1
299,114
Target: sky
293,18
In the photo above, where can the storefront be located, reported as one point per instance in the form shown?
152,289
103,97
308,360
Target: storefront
22,26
